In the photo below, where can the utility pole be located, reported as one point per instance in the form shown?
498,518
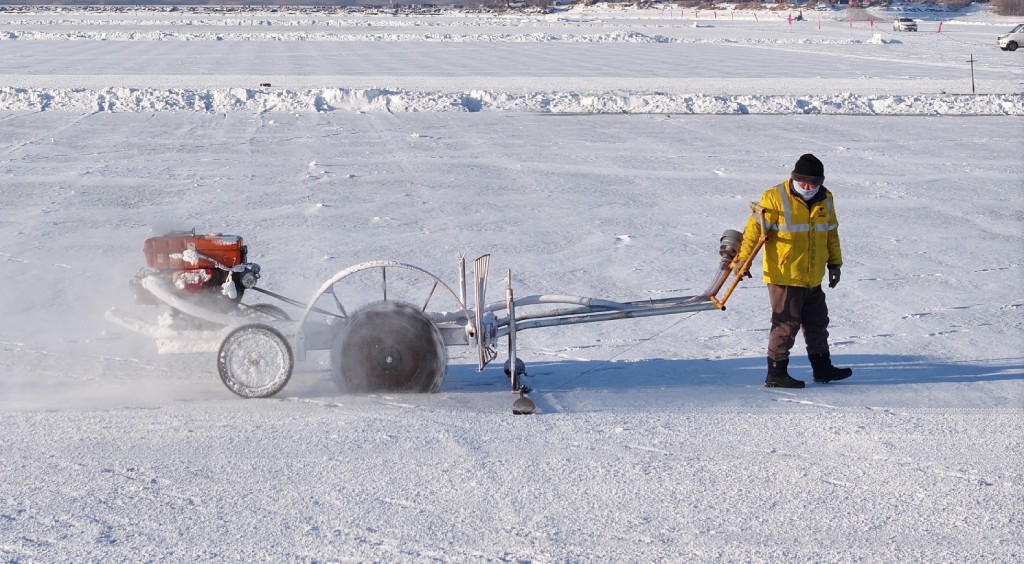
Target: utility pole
972,61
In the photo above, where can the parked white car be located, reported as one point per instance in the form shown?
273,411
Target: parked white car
904,24
1012,40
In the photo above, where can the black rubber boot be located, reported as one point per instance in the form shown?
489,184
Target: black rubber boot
824,372
778,375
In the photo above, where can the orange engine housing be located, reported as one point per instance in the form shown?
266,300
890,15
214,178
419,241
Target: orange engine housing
228,250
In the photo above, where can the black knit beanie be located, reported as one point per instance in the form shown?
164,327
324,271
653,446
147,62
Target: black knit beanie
809,169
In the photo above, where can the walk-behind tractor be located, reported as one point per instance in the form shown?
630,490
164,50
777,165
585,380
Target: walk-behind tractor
386,324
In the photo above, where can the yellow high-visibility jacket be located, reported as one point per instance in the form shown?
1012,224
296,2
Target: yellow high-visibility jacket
803,237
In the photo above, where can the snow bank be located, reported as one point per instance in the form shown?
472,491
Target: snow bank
399,100
156,35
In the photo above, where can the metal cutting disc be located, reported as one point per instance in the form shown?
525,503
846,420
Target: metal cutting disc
389,346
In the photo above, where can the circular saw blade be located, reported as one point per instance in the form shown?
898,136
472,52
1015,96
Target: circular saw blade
389,346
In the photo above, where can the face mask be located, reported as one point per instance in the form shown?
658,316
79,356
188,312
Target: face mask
805,193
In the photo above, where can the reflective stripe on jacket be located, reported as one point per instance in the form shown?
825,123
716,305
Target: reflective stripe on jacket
803,237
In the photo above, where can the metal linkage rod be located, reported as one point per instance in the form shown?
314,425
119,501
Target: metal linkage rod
586,315
296,303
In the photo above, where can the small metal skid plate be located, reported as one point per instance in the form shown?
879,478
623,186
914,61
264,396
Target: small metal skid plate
524,406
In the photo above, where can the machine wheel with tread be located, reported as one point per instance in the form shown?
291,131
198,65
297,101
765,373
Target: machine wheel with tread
255,361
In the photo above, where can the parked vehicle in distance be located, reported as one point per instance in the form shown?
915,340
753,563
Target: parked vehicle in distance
904,24
1012,40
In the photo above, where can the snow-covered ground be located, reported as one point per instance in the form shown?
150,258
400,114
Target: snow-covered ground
596,151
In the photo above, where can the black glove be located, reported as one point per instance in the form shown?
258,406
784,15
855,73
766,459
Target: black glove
833,275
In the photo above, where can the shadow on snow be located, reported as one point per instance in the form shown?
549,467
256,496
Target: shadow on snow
660,373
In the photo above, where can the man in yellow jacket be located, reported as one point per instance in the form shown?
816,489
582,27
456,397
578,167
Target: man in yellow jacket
803,240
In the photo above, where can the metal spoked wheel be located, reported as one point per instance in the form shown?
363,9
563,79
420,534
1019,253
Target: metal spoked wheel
255,361
389,346
389,281
383,337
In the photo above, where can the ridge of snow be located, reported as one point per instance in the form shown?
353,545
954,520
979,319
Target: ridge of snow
400,100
